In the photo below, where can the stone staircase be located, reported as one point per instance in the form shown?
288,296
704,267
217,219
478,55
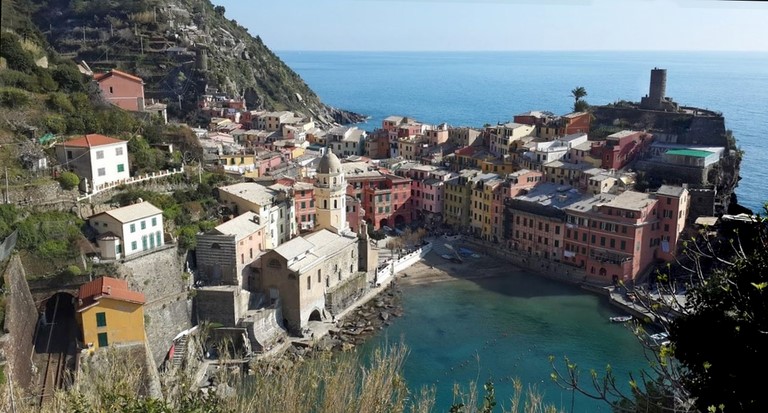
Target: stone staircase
180,351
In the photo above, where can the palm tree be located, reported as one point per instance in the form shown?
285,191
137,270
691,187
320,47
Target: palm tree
579,93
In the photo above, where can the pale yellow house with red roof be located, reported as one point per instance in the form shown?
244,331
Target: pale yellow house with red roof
98,158
108,313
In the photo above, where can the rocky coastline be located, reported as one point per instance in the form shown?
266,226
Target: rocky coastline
350,331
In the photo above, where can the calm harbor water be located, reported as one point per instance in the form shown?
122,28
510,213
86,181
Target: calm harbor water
507,327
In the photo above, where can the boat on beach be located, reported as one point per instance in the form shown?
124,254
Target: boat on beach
621,319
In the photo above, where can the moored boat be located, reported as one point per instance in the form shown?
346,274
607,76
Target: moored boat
621,319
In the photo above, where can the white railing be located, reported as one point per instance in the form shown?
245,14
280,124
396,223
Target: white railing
392,267
130,181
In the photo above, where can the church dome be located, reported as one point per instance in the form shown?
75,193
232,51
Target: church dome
329,164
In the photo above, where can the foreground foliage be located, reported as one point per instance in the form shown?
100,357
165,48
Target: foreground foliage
329,383
716,335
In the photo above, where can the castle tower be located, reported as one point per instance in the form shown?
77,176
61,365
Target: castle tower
331,195
658,89
656,98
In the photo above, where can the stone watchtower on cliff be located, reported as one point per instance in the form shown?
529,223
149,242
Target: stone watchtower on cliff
656,98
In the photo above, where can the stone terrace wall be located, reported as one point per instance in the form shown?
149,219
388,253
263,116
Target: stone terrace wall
16,344
168,311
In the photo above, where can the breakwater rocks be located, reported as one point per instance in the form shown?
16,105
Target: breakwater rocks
352,330
360,324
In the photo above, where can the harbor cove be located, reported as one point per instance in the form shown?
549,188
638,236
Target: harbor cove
483,320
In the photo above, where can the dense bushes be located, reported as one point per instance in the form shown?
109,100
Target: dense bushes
50,234
11,97
69,180
17,58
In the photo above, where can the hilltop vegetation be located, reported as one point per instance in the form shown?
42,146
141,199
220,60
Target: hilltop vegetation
179,48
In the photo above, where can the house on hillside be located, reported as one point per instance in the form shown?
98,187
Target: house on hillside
126,91
109,313
97,158
128,230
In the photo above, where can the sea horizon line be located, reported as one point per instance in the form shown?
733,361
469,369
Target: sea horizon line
527,51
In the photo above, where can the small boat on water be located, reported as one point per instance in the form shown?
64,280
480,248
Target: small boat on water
621,319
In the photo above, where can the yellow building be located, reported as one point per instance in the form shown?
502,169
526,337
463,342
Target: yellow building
499,166
458,191
485,203
108,313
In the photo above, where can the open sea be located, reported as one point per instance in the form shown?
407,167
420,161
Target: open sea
474,88
506,327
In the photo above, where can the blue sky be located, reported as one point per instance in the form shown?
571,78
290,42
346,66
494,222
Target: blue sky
477,25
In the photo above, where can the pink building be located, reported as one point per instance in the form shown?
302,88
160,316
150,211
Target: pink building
266,161
520,181
304,199
355,213
121,89
620,148
225,253
617,237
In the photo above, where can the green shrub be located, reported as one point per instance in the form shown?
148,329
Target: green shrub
68,77
73,271
69,180
60,103
14,78
55,124
17,58
13,98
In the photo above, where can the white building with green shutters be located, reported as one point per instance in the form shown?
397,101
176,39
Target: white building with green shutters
129,230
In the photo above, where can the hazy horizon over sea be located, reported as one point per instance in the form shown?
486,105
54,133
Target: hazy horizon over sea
475,88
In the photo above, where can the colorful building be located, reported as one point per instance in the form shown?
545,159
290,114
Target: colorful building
617,237
129,230
503,134
535,221
121,89
458,193
99,159
621,148
225,253
304,200
108,313
385,198
485,189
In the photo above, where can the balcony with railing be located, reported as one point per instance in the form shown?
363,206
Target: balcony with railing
609,257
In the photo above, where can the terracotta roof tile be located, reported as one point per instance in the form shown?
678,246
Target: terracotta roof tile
101,76
91,140
107,287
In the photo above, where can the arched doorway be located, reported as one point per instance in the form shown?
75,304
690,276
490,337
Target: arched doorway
399,220
383,223
315,316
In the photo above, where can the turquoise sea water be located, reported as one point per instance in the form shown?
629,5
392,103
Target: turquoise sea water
464,88
512,324
507,327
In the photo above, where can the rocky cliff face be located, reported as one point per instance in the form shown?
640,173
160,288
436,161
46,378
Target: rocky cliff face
182,49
